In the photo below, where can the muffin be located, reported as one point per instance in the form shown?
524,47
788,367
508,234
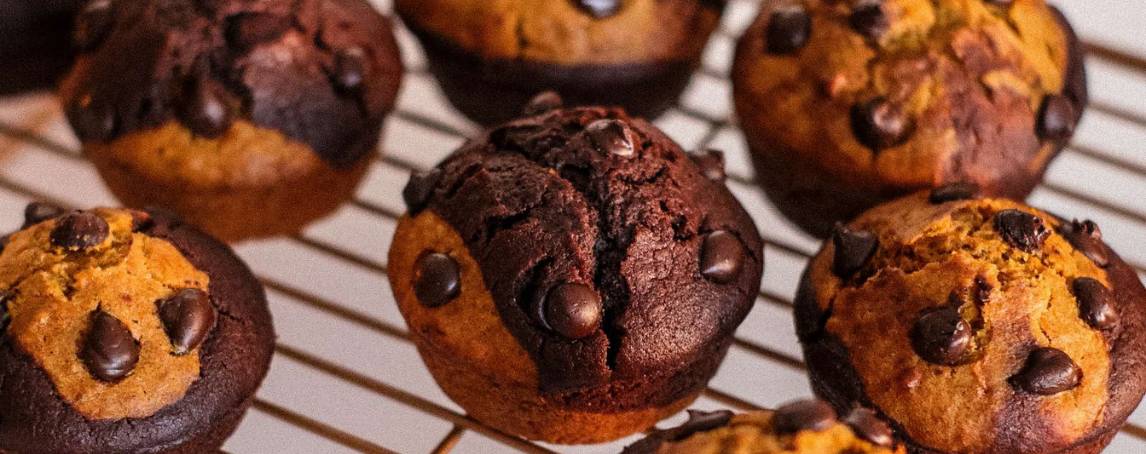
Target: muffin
573,277
125,331
846,105
248,118
801,427
976,325
492,56
35,43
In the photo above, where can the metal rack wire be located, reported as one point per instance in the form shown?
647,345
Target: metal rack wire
346,377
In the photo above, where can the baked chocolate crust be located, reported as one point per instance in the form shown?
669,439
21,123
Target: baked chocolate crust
234,359
323,72
493,91
539,204
35,43
1020,427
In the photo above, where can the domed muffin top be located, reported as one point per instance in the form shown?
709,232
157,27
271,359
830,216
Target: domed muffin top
1014,328
608,252
801,427
121,331
322,72
913,93
569,32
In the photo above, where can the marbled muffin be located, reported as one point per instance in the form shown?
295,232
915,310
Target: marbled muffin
492,56
35,42
801,427
125,331
247,117
573,277
848,104
976,325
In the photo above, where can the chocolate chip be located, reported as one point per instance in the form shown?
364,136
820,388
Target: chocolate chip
350,69
721,257
245,31
4,241
869,19
437,279
878,124
544,102
870,427
951,192
420,189
79,230
93,121
1048,371
814,415
1021,229
92,25
701,421
711,163
853,248
1087,238
572,310
37,212
788,29
941,336
141,221
599,9
1056,118
611,137
109,350
187,317
206,111
1095,303
981,292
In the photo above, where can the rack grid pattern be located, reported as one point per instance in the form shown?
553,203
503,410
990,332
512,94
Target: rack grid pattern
346,377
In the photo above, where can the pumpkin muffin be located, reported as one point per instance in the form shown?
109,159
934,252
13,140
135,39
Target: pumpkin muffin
573,277
125,331
801,427
248,118
492,56
848,104
35,43
976,325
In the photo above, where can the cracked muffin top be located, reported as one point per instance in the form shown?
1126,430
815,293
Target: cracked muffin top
569,32
800,427
320,72
609,254
122,331
896,96
976,325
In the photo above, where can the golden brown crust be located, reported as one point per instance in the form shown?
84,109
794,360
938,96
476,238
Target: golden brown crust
56,292
969,76
753,433
249,182
557,31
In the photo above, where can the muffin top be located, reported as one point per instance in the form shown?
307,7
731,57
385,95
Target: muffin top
976,325
609,255
320,72
122,331
569,32
898,95
801,427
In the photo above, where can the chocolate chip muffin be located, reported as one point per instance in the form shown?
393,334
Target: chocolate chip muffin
35,42
846,105
573,277
492,56
801,427
125,331
249,118
976,325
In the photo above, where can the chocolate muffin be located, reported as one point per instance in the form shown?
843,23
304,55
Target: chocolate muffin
249,118
573,276
125,331
491,57
801,427
976,325
846,105
35,42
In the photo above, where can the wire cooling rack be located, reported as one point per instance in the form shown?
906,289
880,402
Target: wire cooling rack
345,376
